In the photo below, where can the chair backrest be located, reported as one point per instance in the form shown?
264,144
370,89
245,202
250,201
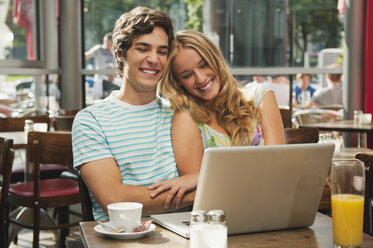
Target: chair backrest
285,117
49,148
301,135
68,112
367,158
13,124
6,162
335,107
64,123
309,116
86,203
54,147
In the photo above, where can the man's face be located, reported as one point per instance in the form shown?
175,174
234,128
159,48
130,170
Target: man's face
304,82
108,44
145,61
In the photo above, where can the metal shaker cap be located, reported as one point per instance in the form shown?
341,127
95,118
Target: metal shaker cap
198,216
216,215
29,122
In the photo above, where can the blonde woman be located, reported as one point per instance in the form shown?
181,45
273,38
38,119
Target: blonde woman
210,109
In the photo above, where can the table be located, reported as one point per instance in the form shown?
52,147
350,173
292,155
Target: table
19,139
344,126
350,152
320,234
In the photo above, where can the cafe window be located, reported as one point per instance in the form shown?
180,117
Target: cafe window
18,95
99,19
19,30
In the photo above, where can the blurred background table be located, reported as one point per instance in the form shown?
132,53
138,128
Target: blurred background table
19,139
344,126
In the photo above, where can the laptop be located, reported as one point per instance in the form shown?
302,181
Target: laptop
262,188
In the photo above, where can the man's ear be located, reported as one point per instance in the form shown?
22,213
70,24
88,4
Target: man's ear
119,57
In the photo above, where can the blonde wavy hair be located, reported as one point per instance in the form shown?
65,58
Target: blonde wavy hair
234,112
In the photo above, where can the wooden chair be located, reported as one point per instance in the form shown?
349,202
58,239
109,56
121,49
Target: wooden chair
309,116
301,135
335,107
285,116
16,124
6,162
367,158
47,148
68,112
64,123
86,200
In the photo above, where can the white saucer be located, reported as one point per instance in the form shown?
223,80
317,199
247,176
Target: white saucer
132,235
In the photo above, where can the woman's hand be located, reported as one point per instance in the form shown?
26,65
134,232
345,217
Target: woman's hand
177,186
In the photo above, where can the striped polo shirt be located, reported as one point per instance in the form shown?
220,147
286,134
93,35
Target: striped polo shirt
137,137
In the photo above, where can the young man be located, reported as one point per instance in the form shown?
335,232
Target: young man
123,144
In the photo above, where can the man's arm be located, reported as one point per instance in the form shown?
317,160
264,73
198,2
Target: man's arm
89,54
104,181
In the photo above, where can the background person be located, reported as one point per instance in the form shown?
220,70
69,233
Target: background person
103,59
280,86
303,87
333,94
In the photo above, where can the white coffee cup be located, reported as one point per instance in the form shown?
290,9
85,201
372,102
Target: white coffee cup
125,215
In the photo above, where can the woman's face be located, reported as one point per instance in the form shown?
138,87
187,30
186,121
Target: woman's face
195,75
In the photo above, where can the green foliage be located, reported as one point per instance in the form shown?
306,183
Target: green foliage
195,12
316,21
10,78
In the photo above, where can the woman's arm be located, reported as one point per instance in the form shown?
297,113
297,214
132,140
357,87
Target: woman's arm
273,129
187,143
188,150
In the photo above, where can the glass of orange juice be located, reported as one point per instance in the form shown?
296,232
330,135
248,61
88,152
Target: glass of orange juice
347,188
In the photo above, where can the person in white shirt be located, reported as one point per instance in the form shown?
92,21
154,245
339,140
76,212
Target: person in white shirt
103,59
331,95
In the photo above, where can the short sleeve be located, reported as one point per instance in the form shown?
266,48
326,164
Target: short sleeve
255,92
88,140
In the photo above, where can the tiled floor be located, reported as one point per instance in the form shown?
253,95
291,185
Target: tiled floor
47,238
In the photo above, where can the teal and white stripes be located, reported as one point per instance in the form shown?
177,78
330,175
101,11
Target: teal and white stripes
137,137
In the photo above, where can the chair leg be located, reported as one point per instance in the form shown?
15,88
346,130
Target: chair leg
63,218
35,243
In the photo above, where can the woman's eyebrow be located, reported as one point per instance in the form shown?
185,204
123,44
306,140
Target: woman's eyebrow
200,62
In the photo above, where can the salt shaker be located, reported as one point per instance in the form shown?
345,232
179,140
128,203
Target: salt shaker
216,219
29,126
208,230
357,117
198,223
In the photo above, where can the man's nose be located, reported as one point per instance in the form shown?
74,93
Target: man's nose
152,57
